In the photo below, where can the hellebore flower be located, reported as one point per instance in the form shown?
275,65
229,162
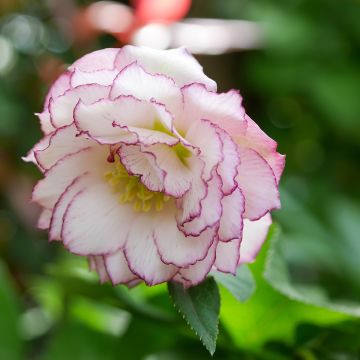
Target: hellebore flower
149,172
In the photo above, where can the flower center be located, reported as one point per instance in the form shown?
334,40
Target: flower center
131,190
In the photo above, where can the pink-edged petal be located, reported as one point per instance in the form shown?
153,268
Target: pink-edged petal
175,247
95,223
257,140
224,109
44,219
97,60
47,191
118,268
41,145
211,209
59,87
141,163
176,63
101,77
134,80
254,235
61,109
228,168
63,141
204,135
258,184
97,263
231,223
125,119
227,256
179,174
195,274
57,217
142,255
45,122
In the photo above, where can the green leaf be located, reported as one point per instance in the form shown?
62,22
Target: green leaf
241,286
200,307
277,275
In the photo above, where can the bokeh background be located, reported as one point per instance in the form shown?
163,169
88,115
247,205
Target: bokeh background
297,65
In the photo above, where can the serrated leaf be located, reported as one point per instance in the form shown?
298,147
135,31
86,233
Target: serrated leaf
200,307
241,286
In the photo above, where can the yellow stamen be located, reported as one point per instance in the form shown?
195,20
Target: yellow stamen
131,190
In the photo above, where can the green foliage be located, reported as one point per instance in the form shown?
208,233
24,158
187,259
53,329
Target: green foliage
200,306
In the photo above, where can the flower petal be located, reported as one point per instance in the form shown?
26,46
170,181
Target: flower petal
124,120
176,248
81,231
118,269
97,263
254,235
44,219
257,140
195,274
224,109
59,87
231,222
62,108
258,184
227,256
142,255
134,80
176,63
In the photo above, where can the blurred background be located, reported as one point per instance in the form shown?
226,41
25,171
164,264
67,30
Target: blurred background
297,65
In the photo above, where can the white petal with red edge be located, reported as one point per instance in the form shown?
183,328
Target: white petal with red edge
257,140
197,273
44,219
134,80
45,122
142,255
101,77
57,217
254,235
97,60
61,109
58,88
95,205
257,183
227,256
176,63
125,119
224,109
97,264
143,164
62,142
176,248
211,209
118,268
231,222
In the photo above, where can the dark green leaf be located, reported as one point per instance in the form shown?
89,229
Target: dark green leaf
241,286
200,306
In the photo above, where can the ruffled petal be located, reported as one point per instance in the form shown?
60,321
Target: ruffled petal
81,231
258,184
176,248
254,235
44,219
195,274
63,141
97,264
118,268
45,122
142,254
227,256
224,109
257,140
231,222
176,63
134,80
59,87
142,164
103,59
100,77
125,120
61,108
211,209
